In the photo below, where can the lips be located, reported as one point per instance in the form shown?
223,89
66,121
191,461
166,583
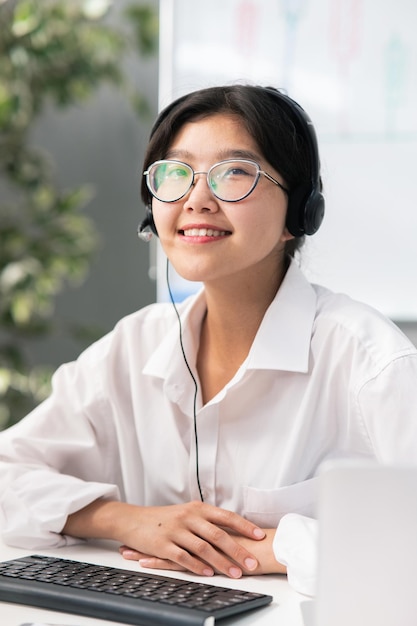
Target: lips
204,232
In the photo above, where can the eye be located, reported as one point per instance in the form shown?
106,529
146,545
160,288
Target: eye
175,171
235,170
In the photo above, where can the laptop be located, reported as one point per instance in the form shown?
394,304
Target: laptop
367,556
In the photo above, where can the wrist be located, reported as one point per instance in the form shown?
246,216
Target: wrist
262,550
101,519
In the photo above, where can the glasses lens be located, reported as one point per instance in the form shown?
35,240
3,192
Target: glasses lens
169,180
233,180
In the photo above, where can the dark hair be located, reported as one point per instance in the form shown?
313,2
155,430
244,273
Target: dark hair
275,133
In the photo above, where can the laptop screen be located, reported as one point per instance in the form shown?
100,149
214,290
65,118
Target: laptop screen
367,557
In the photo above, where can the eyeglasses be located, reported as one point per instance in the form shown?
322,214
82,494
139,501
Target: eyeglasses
230,180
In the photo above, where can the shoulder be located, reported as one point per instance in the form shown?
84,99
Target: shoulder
355,327
137,335
155,316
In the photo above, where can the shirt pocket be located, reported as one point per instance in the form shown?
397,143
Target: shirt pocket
265,507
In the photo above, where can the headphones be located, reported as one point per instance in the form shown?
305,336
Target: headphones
305,210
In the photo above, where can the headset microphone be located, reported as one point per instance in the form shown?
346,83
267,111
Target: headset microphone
147,228
144,231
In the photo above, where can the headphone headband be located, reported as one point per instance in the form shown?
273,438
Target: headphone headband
306,202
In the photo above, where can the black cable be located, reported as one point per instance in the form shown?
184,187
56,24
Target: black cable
197,470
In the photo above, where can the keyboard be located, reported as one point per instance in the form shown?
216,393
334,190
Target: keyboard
130,597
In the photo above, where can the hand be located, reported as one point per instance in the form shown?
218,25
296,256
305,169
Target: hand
195,537
264,553
266,562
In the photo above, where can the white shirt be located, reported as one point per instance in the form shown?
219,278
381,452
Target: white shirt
325,377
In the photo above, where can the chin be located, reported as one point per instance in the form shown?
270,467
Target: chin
191,271
191,277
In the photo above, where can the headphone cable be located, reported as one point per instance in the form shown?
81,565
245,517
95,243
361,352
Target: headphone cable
197,470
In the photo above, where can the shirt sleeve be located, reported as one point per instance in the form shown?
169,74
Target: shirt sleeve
387,406
57,460
295,546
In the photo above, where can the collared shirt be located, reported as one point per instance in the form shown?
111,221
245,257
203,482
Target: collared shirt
326,377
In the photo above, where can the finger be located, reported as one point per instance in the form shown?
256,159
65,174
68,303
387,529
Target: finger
237,523
193,552
131,555
217,548
180,555
151,562
155,563
200,542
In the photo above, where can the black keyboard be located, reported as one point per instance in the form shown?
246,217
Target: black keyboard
120,595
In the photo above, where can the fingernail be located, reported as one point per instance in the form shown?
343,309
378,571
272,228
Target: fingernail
208,572
129,554
145,562
250,563
235,572
258,533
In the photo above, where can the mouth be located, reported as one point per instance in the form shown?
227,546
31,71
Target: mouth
204,232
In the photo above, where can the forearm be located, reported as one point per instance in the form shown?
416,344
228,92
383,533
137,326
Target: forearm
102,519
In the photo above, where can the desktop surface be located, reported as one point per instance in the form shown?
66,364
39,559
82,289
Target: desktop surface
285,610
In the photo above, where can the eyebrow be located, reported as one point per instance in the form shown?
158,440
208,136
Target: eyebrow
221,156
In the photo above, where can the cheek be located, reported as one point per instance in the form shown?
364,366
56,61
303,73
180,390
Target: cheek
268,223
162,216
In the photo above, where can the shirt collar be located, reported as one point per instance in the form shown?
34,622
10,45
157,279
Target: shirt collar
168,358
284,336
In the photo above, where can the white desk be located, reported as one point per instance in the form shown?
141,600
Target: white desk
287,609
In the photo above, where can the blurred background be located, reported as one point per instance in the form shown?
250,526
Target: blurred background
78,95
81,82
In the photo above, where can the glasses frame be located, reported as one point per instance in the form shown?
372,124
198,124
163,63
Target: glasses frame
259,171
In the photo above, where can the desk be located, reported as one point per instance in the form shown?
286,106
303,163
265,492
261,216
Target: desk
287,609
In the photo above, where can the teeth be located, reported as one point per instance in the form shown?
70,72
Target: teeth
204,232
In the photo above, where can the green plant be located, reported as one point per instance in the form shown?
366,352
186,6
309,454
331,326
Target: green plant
55,52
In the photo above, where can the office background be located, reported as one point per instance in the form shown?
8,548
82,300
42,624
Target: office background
351,56
353,68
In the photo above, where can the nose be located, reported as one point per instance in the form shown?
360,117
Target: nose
200,197
200,176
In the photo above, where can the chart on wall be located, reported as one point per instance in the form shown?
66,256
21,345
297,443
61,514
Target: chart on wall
352,64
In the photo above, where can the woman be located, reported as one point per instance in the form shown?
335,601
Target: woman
190,433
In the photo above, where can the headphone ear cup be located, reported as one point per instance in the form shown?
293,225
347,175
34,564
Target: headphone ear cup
305,211
313,213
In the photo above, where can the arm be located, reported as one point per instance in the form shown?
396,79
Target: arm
196,537
58,458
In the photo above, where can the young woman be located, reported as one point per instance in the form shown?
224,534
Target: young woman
189,434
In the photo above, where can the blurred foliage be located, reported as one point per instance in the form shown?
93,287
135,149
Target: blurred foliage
51,53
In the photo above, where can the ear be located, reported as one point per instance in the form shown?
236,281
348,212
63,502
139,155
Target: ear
286,235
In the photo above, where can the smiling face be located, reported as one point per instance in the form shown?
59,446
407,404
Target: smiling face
207,239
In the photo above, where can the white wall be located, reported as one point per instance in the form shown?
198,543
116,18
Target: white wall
352,64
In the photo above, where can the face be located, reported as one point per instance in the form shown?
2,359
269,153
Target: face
207,239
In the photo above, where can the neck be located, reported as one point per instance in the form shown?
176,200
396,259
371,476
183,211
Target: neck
234,314
235,309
